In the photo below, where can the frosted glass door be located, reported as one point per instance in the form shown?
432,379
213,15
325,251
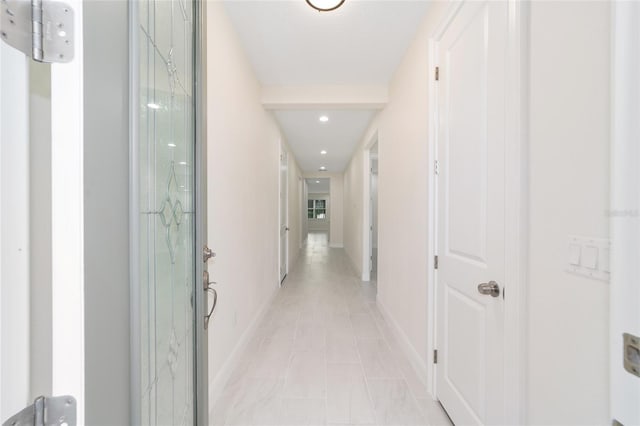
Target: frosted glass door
165,155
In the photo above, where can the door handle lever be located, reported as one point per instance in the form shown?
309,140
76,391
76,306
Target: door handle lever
207,254
491,288
206,287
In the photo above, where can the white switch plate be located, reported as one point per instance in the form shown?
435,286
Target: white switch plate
589,257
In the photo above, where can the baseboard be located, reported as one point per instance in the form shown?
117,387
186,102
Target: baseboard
220,381
410,352
336,245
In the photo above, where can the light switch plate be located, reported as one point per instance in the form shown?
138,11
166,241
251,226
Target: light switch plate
589,257
574,254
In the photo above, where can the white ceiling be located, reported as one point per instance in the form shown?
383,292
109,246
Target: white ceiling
318,188
290,44
307,136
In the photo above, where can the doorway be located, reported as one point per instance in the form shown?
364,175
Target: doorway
284,214
318,207
478,187
370,210
373,212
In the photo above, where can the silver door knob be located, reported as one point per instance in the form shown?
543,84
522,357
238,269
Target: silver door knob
207,254
491,288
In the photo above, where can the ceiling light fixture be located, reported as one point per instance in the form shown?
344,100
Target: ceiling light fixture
323,168
317,181
323,118
325,5
323,152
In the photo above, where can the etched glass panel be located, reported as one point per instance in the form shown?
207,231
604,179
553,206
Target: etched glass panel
166,216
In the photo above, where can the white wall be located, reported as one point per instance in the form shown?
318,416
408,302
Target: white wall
569,128
569,122
336,205
320,224
402,193
243,224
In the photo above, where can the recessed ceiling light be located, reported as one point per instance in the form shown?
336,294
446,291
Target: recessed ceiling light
323,168
172,145
323,152
323,118
153,106
317,181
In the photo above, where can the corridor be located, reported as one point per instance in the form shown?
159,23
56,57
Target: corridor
324,354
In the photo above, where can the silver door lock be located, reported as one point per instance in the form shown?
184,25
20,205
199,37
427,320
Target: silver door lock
631,352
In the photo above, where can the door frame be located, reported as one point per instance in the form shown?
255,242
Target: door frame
366,207
283,185
516,213
201,356
625,62
67,223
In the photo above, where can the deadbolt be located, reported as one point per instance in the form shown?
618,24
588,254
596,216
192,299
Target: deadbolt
207,254
491,288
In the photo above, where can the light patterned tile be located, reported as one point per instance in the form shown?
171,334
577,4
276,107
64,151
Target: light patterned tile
306,375
348,400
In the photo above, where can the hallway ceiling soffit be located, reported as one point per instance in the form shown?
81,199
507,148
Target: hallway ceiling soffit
307,136
335,63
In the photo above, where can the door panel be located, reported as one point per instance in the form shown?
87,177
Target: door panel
471,144
166,158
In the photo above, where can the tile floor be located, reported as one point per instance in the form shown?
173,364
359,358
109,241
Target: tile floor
325,356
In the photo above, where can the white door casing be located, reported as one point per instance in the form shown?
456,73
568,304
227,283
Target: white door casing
472,58
284,205
67,225
625,207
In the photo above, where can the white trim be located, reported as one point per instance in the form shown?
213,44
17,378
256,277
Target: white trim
366,206
67,222
407,348
624,316
432,206
283,186
219,382
516,215
515,334
14,233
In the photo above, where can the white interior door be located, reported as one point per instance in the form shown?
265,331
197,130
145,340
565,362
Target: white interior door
284,228
471,204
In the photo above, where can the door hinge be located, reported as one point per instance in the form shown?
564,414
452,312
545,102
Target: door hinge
435,262
42,30
435,356
437,74
436,167
47,411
